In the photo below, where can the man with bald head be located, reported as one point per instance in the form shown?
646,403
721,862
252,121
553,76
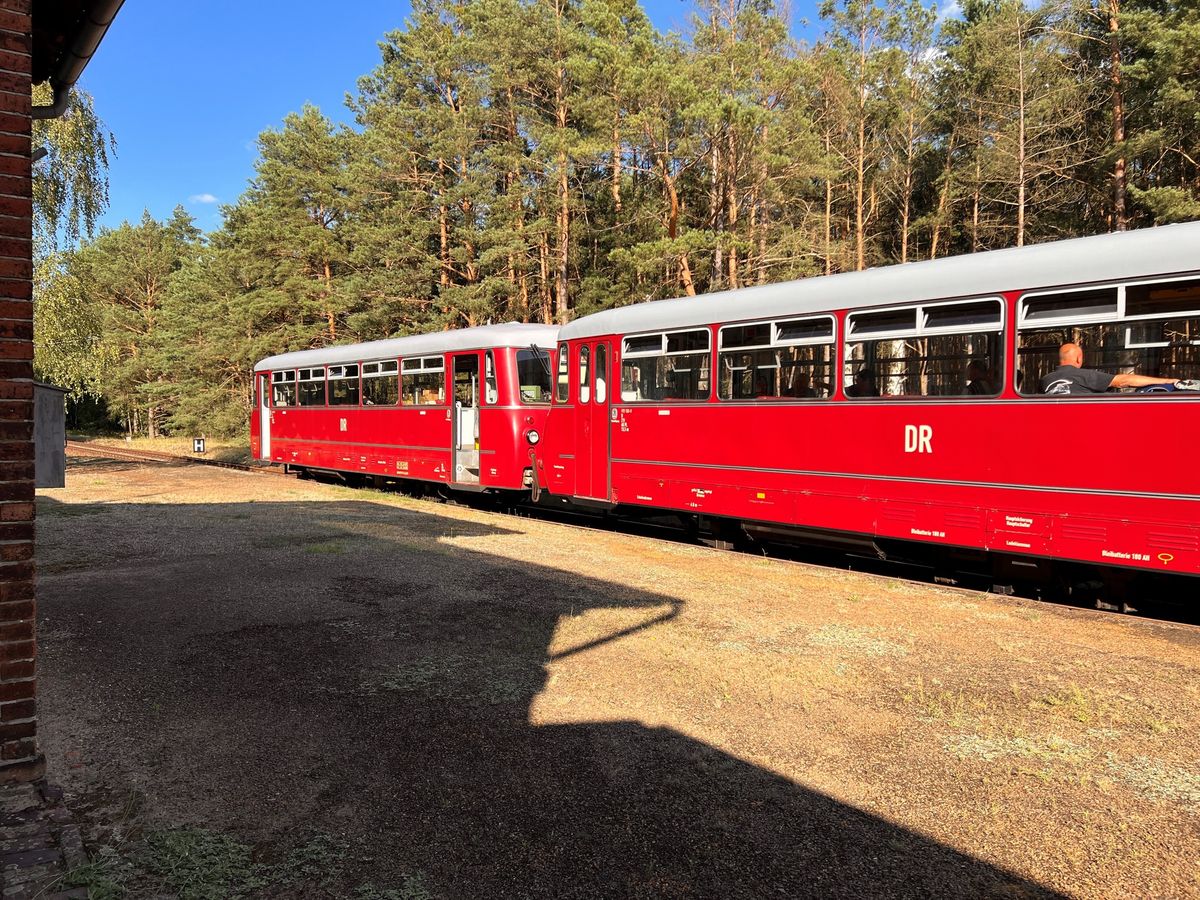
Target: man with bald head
1071,378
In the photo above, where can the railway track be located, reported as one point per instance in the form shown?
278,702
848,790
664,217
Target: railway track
665,532
111,452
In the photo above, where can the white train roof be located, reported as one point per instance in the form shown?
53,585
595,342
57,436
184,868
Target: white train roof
509,334
1165,250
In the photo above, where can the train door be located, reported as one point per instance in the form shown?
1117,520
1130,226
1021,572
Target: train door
591,417
466,418
264,412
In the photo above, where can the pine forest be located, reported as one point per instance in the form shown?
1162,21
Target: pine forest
538,160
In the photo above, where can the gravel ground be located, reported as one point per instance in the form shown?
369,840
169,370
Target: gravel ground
279,688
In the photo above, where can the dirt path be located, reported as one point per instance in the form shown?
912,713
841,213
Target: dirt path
283,688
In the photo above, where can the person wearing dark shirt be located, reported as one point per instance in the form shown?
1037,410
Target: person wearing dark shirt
864,385
1071,378
979,381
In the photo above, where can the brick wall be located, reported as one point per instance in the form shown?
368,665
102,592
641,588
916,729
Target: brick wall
19,757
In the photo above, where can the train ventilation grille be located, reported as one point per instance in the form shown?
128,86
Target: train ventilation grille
964,519
899,514
1163,540
1084,532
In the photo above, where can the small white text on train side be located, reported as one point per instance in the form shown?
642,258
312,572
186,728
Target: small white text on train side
918,438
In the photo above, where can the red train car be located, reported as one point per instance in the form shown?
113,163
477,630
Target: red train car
901,407
460,408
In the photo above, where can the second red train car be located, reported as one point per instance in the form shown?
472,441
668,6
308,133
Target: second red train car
459,408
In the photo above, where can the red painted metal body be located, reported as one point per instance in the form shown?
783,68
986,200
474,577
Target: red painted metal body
417,442
1109,480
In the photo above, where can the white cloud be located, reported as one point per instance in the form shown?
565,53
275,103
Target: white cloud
949,9
202,198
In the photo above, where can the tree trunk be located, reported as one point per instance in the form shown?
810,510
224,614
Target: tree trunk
943,197
1021,160
860,161
1120,213
616,161
544,288
685,269
828,212
731,214
329,314
716,206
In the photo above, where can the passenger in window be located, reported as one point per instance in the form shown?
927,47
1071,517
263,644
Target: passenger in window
1071,378
979,380
807,391
864,385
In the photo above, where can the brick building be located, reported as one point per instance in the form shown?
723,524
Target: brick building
40,41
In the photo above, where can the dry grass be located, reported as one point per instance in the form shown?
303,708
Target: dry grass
1013,732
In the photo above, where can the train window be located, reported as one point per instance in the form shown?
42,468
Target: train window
283,388
343,385
671,366
423,381
466,380
963,316
777,360
1072,306
816,330
564,375
491,389
936,350
1147,329
602,373
380,384
585,387
881,322
1162,298
533,373
746,335
312,387
650,344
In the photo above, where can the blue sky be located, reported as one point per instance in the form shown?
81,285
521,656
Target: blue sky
187,85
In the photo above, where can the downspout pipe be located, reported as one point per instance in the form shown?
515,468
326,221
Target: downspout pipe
95,25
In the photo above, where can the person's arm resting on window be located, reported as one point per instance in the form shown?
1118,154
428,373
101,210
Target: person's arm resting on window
1137,381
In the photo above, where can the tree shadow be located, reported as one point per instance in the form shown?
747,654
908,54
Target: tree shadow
363,670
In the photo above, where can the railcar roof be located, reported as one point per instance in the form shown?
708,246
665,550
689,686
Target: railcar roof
1151,251
509,334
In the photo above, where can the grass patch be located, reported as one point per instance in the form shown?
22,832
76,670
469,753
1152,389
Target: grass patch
1073,703
855,640
936,702
327,547
62,510
1048,749
1157,780
412,887
199,864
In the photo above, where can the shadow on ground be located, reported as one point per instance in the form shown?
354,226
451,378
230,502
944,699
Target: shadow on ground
357,669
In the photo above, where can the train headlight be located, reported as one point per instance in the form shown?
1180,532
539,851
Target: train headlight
532,436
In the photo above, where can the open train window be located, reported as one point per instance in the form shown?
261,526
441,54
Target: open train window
953,349
423,381
343,385
564,374
283,388
786,360
491,390
671,365
533,375
1147,328
312,387
380,383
